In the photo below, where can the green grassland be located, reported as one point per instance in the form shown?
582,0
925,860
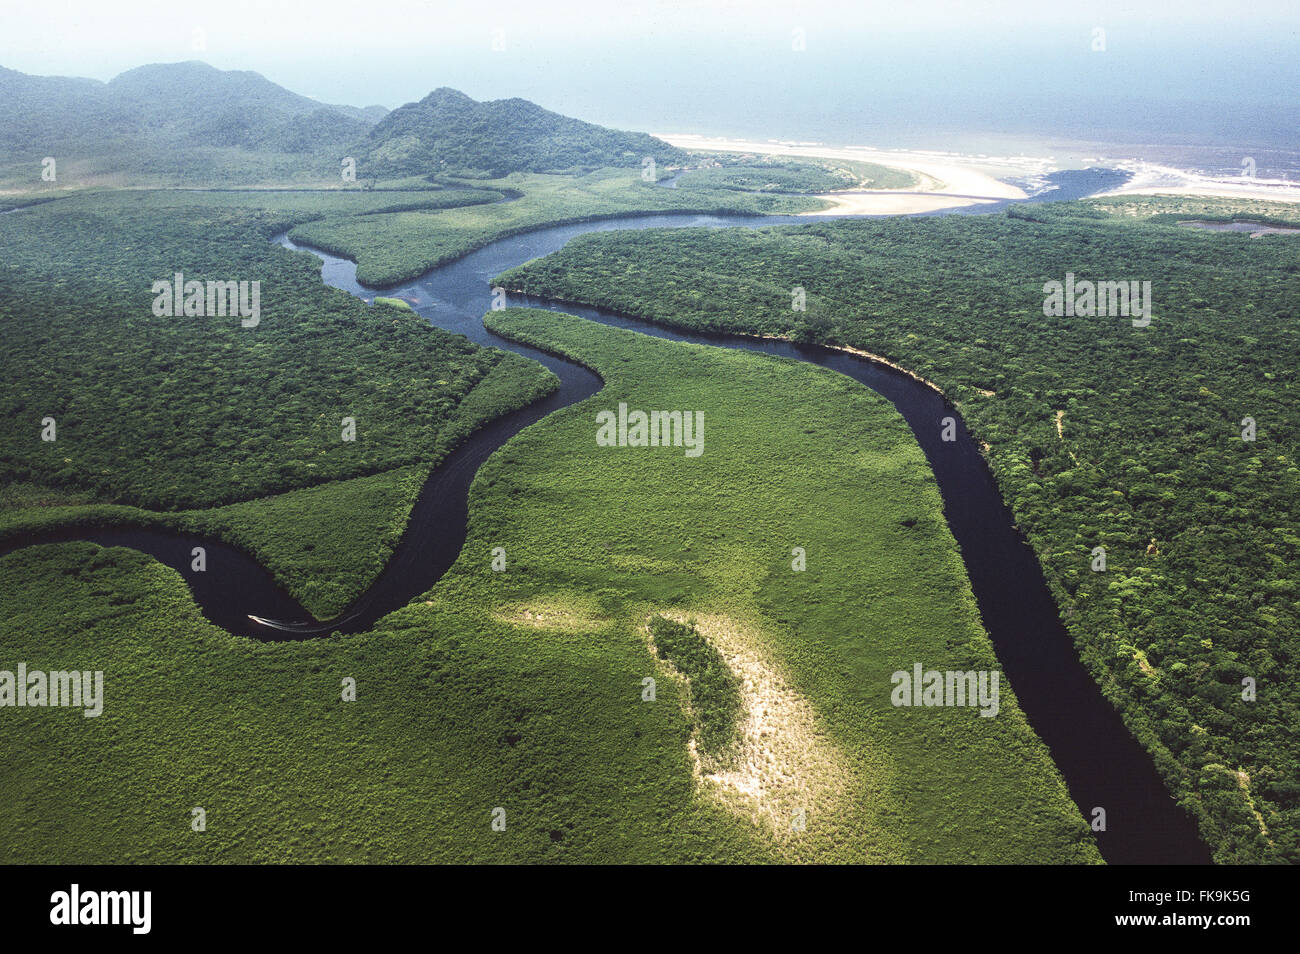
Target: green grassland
288,206
1099,434
397,247
523,689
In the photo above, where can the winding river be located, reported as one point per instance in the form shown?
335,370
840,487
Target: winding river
1102,763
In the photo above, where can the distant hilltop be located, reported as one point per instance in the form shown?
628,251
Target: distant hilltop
449,133
164,108
169,105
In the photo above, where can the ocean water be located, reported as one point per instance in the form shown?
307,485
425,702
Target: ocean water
1201,85
1203,97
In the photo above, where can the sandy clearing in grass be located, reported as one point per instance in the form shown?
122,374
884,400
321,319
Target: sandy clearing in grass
783,761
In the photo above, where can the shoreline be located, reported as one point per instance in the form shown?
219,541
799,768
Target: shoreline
1152,179
948,180
945,181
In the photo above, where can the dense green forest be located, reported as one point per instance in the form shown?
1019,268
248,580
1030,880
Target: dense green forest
447,133
171,123
526,690
715,702
189,413
1100,433
77,283
237,412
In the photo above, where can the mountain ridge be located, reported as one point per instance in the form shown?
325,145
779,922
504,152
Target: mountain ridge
190,102
171,116
448,132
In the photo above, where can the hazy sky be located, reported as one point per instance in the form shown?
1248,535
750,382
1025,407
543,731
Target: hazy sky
696,66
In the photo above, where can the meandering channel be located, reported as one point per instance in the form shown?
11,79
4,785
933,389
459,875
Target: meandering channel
1102,763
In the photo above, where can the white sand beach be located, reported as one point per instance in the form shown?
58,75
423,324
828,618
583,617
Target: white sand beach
1151,179
946,181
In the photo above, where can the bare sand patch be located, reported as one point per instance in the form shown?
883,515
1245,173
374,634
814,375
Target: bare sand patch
1060,434
1243,781
783,764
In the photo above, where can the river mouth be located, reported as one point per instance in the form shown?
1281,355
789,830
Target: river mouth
1103,765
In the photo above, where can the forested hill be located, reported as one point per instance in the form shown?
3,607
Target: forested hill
450,133
167,106
193,122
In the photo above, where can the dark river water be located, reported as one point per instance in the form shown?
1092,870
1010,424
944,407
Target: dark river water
1102,763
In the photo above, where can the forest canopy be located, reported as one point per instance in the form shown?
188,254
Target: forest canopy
1100,434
